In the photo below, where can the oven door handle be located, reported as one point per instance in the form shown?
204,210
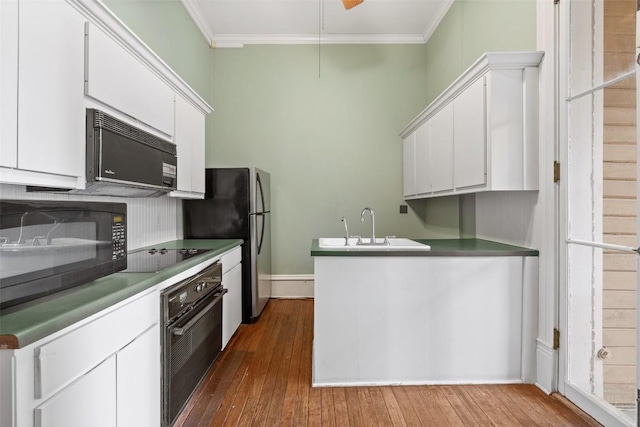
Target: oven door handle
190,323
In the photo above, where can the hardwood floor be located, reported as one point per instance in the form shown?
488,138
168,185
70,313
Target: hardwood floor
264,378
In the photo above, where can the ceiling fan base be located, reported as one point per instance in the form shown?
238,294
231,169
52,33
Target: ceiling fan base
348,4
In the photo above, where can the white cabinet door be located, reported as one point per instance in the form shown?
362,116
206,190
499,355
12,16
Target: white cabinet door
118,79
190,139
9,83
442,150
469,139
89,401
423,159
231,303
138,381
51,124
409,164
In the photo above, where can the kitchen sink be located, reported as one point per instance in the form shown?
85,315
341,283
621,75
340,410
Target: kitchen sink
390,244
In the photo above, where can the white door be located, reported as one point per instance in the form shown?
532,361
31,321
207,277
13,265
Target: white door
599,205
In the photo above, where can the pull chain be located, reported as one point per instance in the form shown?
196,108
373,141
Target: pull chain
320,26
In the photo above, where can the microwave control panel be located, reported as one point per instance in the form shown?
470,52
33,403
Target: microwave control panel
118,237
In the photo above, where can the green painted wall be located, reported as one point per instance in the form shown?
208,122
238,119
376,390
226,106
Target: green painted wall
166,27
473,27
330,141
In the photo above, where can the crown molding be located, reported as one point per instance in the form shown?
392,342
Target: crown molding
235,40
439,16
196,15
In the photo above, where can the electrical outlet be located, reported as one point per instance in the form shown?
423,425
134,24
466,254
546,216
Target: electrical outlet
404,209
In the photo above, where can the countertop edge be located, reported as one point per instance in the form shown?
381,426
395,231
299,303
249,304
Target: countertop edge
446,251
33,333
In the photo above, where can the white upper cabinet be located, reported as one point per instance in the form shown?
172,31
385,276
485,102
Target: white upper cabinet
423,157
8,83
50,90
409,164
59,57
118,79
482,130
42,140
190,139
469,137
441,143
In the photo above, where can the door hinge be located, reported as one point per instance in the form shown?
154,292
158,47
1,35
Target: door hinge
556,171
556,339
556,1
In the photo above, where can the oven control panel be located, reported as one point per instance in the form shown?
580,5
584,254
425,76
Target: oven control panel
187,293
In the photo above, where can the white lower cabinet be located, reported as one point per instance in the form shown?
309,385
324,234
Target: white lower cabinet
138,381
102,372
89,401
232,301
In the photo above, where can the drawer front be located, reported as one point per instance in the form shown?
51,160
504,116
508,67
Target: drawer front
89,401
62,360
231,259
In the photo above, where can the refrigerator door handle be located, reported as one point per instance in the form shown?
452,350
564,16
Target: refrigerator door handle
261,193
261,233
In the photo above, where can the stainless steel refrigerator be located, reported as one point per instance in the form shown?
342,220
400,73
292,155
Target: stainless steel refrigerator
237,205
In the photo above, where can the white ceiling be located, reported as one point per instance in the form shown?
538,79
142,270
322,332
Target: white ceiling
233,23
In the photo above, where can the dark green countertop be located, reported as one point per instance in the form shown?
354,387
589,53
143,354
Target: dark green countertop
439,247
26,323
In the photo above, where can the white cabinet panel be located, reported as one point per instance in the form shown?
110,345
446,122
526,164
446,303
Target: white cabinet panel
442,150
61,360
423,159
409,164
118,79
469,137
483,134
232,303
9,83
138,381
50,88
190,139
89,401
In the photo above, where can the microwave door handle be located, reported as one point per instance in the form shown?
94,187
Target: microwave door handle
190,323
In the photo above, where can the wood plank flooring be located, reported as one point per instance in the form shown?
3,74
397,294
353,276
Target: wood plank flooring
263,378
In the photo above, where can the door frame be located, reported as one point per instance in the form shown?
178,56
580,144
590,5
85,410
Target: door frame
587,402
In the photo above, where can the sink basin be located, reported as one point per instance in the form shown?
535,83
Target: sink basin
394,244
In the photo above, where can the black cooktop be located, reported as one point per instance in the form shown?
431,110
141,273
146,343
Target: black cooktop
153,260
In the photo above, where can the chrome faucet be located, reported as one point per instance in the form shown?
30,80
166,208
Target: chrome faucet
373,223
346,230
36,240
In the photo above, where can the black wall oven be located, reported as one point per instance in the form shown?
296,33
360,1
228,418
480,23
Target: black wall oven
192,338
47,246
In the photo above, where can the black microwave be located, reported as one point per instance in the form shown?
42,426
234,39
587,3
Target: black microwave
48,246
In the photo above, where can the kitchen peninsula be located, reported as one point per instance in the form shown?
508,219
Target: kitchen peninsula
463,312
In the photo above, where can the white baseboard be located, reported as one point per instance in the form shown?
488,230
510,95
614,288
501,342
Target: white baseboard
292,286
546,367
